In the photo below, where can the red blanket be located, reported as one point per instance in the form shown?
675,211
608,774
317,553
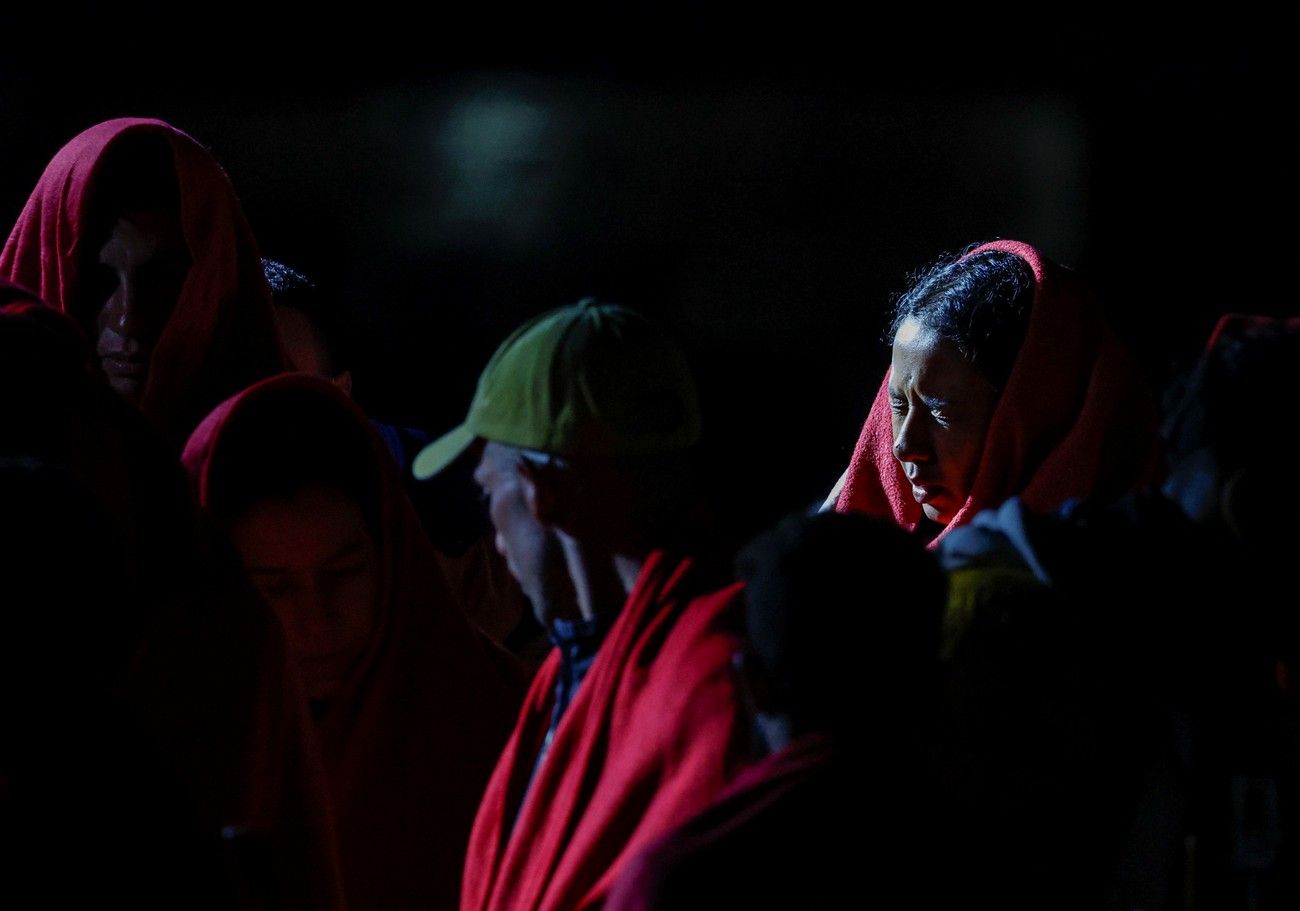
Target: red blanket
770,841
221,335
409,743
650,739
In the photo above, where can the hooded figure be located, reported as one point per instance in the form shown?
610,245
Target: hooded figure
412,705
134,231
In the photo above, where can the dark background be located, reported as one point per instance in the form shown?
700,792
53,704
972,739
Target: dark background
762,183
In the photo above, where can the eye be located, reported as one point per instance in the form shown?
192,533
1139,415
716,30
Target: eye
897,406
165,274
274,589
100,284
345,570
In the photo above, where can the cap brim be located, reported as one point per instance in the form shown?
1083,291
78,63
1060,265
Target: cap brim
441,452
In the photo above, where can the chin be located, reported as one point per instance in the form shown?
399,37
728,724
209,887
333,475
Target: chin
322,692
129,390
934,514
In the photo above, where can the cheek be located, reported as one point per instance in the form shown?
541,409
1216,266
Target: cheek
961,451
521,550
499,514
350,617
281,602
511,520
108,314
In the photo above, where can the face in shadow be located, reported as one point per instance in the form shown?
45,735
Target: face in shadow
532,552
315,561
137,277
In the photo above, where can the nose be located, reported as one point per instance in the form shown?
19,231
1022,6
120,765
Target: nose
310,619
124,311
911,439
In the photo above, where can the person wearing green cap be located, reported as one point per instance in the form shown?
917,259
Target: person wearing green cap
585,420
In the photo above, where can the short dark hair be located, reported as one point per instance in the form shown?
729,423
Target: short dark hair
979,303
819,626
291,288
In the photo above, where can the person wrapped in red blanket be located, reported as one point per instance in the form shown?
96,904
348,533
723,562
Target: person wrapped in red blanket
134,230
843,696
1006,379
586,416
411,703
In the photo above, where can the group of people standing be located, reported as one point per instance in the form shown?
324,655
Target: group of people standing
263,651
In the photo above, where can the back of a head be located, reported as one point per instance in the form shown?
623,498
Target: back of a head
979,303
310,319
835,651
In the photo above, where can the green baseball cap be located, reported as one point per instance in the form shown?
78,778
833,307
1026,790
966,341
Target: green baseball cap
588,379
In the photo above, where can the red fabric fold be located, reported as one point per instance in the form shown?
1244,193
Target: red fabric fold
721,844
651,738
410,742
221,335
1075,420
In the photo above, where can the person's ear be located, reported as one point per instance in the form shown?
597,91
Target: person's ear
344,382
538,483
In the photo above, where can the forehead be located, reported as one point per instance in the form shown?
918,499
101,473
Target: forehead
302,530
143,235
923,361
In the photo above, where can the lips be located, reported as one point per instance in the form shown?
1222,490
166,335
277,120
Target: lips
125,367
925,493
334,665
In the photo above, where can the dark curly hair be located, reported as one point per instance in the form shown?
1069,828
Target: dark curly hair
979,304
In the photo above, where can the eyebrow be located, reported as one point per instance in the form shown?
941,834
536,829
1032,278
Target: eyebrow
934,401
930,401
346,552
176,257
